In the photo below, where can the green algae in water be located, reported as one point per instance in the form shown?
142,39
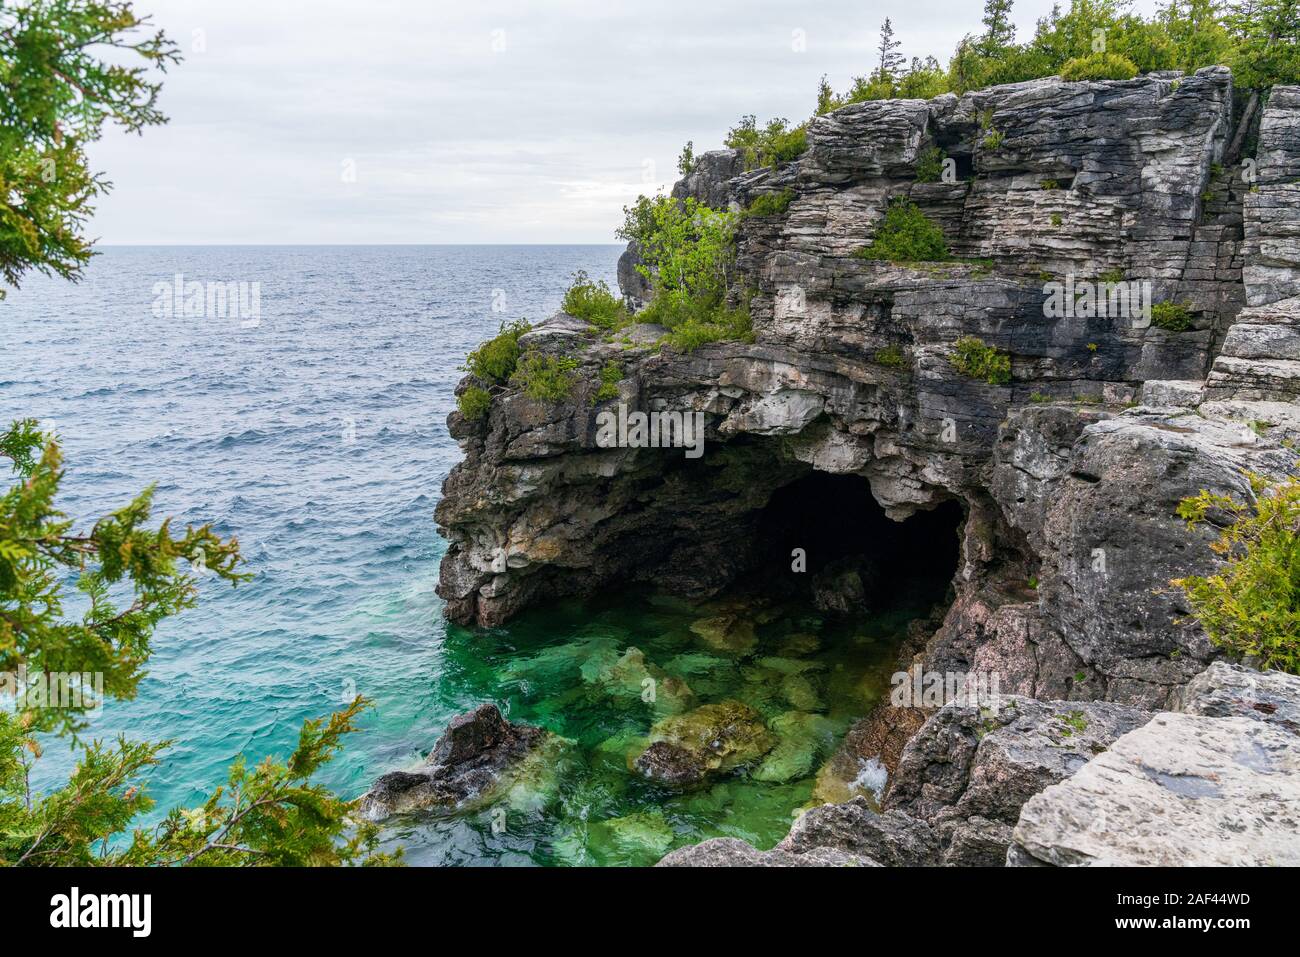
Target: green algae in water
602,675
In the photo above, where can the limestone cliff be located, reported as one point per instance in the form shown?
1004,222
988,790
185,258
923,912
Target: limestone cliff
1068,476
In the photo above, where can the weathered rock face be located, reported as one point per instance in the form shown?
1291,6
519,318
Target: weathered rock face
467,763
1216,785
1231,691
968,771
1068,476
1181,791
849,834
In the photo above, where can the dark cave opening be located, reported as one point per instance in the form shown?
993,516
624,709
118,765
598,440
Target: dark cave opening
825,538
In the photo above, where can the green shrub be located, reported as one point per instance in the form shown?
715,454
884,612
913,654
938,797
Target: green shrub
495,360
993,139
546,378
771,145
929,165
685,246
611,374
890,356
972,357
907,235
1173,316
725,324
1050,184
594,302
1099,66
771,204
474,403
1251,607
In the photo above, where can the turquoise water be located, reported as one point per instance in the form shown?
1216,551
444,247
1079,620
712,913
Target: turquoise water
319,438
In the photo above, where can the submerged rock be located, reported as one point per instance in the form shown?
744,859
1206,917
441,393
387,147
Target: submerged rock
644,834
801,740
731,634
712,739
471,759
630,678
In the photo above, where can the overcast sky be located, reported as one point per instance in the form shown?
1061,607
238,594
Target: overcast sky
482,122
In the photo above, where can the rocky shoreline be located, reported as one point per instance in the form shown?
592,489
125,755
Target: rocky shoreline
1067,477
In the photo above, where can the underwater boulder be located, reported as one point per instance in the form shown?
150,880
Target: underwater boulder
713,739
474,754
730,634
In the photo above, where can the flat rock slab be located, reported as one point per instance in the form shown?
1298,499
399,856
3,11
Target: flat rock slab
1231,691
1183,790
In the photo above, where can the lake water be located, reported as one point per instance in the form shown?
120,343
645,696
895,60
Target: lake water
316,433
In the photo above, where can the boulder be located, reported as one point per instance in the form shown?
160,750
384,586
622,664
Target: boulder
831,835
1232,691
968,771
733,852
1183,790
713,739
476,752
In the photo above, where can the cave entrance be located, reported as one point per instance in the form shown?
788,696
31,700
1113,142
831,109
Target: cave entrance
824,538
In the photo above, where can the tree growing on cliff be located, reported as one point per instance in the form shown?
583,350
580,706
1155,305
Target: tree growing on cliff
891,61
999,31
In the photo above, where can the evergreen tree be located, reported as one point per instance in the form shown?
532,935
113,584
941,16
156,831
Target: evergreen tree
999,31
62,79
891,61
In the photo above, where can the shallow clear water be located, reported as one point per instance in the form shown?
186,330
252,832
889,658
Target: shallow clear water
319,438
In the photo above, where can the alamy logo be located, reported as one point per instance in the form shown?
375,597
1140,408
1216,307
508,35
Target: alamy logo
76,690
915,688
1101,299
179,299
655,430
103,910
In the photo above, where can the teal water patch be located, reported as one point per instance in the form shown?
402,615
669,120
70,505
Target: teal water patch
609,677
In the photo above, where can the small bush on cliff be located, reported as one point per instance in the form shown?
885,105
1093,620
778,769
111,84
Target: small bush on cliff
929,165
771,145
771,204
720,325
474,403
593,302
1173,316
545,378
907,235
891,356
974,358
688,254
1251,606
495,360
685,246
611,374
1099,66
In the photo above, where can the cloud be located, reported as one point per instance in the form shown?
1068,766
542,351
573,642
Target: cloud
474,122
